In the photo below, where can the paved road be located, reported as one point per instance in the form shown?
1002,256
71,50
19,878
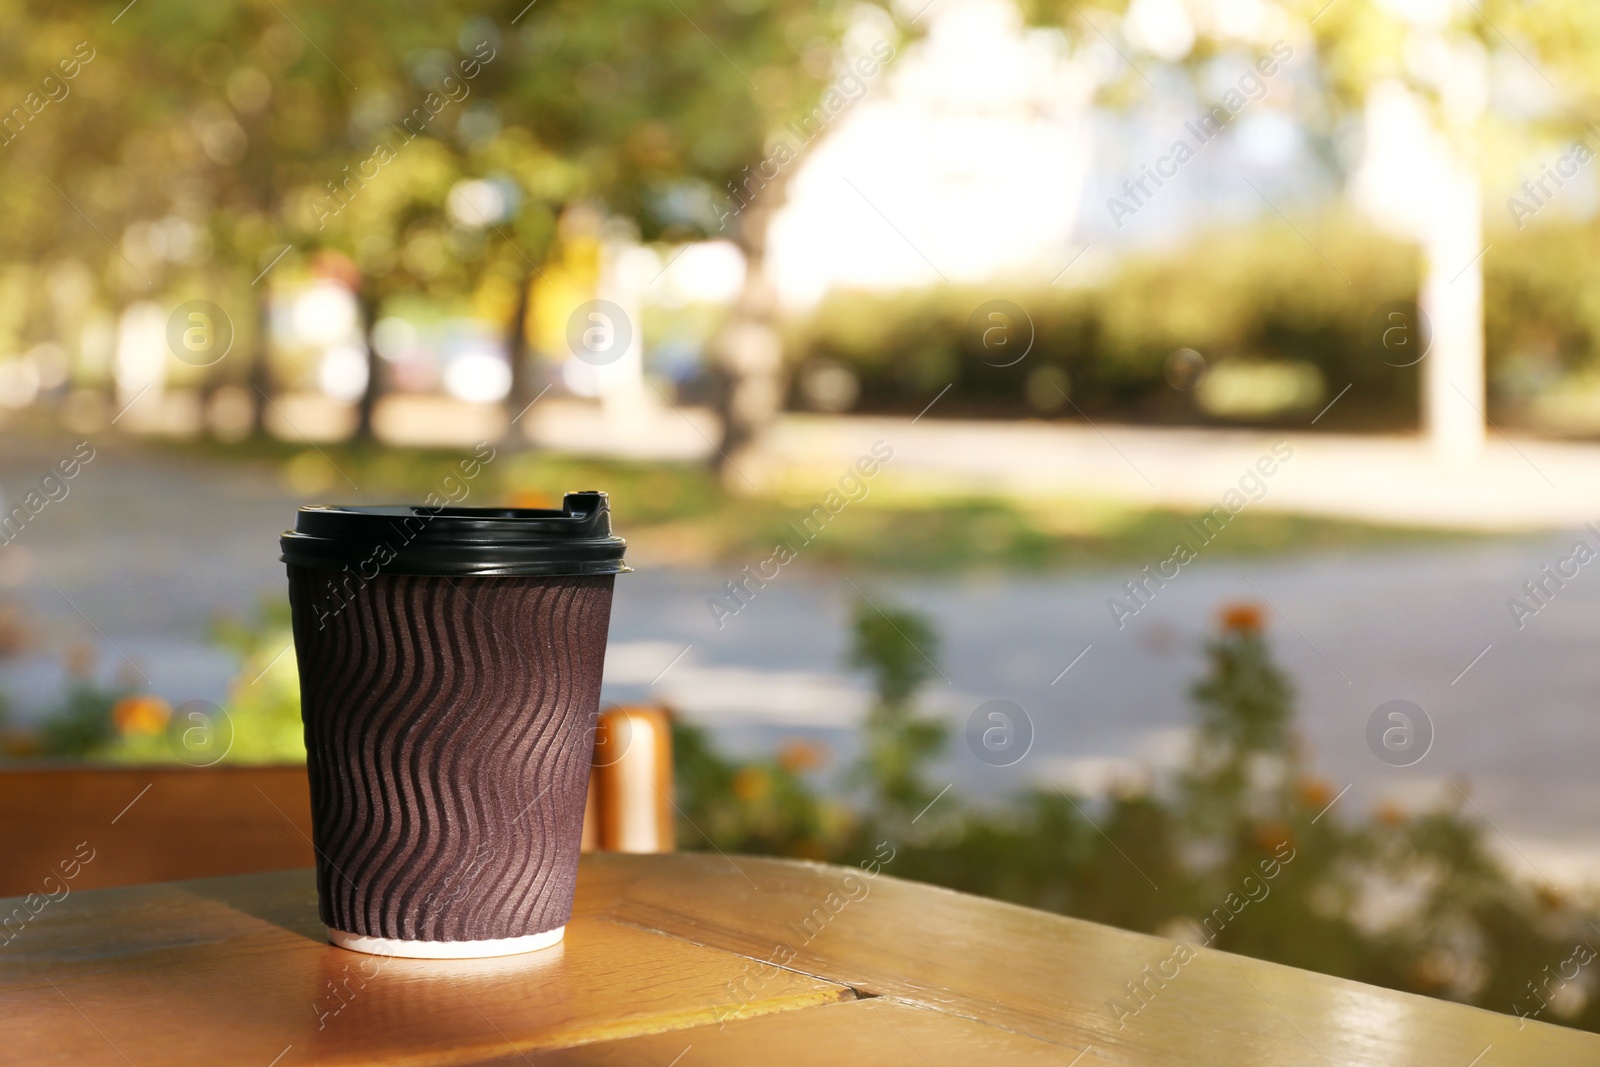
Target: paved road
147,548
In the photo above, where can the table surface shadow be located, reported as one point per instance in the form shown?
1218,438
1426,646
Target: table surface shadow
695,958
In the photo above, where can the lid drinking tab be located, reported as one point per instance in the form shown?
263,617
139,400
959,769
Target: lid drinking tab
456,541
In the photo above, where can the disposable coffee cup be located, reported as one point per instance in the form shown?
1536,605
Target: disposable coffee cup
450,664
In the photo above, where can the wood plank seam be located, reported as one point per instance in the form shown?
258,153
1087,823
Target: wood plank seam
857,993
862,992
643,928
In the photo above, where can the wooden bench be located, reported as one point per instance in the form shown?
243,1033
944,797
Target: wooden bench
165,823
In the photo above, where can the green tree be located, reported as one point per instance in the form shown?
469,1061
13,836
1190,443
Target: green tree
1451,62
682,138
256,125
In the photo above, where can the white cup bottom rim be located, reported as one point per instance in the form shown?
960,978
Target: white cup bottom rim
445,950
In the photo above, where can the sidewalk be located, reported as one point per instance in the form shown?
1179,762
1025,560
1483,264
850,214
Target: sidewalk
1517,484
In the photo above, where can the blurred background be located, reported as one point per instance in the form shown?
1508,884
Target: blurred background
1094,445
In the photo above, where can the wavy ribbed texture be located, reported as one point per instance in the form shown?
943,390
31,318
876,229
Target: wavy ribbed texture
449,729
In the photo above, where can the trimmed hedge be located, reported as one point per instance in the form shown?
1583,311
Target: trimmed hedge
1259,295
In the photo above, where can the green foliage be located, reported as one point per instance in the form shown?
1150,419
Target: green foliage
263,702
1244,702
1247,295
1241,853
1244,720
259,720
1542,316
762,807
82,725
896,648
264,126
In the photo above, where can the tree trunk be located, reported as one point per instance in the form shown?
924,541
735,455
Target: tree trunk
1454,406
748,349
524,387
260,377
368,302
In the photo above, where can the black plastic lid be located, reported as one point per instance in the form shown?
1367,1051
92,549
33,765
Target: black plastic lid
458,541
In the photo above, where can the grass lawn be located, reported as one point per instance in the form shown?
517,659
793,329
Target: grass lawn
678,513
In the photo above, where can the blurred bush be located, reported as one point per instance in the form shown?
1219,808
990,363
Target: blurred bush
263,700
1247,296
1241,851
1129,344
1542,329
766,807
84,723
114,719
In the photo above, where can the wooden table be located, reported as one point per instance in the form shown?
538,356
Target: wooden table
690,959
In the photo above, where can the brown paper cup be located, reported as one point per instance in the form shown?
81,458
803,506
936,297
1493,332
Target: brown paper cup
449,730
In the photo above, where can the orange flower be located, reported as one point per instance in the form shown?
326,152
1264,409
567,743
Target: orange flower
751,784
1436,970
141,714
797,756
1242,617
531,498
1390,814
1315,793
1271,836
